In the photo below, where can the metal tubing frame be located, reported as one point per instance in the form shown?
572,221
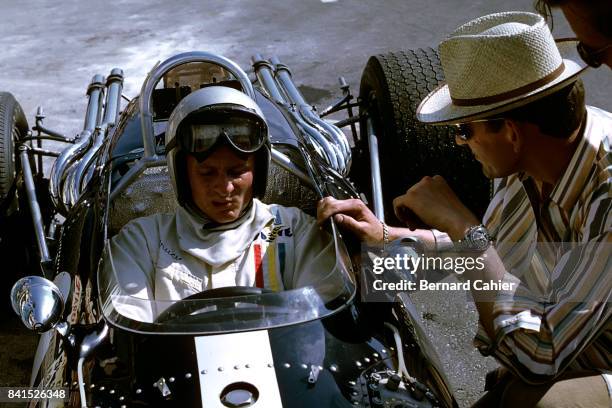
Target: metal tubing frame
344,104
33,204
377,196
50,134
348,121
146,118
44,152
285,162
138,168
337,106
61,139
38,127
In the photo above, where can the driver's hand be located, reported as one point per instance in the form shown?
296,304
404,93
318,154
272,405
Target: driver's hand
352,215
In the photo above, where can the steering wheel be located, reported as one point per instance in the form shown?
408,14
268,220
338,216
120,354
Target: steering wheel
185,307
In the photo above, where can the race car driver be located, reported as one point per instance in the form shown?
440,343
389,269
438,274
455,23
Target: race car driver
221,234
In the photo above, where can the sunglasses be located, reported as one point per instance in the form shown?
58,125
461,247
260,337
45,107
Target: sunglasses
590,56
465,132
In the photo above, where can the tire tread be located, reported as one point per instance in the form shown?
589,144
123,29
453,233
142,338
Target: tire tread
414,150
12,124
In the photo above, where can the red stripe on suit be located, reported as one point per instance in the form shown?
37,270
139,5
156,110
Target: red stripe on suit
259,280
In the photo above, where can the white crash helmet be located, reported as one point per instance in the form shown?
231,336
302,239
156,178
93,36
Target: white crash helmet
206,118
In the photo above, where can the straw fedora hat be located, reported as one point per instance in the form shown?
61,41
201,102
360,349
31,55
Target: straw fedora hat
496,63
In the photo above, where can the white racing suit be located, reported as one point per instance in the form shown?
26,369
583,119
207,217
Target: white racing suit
171,256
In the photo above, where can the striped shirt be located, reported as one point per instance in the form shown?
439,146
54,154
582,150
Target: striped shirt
556,250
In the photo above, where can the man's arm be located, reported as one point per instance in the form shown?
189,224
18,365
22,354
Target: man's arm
445,212
354,216
538,338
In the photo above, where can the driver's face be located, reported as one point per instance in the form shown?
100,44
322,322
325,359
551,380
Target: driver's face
221,185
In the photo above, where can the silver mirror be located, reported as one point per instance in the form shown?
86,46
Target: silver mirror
38,302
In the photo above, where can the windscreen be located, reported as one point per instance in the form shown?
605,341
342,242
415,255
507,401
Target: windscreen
130,308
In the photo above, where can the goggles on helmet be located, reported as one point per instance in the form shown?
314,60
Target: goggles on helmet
245,132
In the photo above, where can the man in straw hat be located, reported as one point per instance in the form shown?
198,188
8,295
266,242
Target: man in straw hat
519,106
591,20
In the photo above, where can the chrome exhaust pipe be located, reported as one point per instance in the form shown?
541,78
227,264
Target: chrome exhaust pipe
335,135
323,141
114,88
93,119
265,75
93,115
77,170
84,169
285,74
69,156
59,169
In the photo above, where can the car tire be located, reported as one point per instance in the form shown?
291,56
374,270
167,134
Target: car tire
13,126
392,86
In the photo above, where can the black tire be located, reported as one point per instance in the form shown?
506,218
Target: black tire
392,86
14,227
13,126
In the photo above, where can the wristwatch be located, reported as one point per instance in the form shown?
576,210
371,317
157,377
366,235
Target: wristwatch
476,239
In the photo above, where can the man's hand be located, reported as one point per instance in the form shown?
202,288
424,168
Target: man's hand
436,204
352,215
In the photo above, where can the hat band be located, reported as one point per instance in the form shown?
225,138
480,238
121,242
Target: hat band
487,100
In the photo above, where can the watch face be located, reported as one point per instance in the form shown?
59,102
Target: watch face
479,238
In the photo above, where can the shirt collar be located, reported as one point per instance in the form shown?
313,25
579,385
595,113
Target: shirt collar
572,182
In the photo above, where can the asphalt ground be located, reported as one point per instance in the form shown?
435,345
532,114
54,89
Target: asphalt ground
49,51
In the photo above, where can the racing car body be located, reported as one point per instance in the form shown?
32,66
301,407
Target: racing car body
234,347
